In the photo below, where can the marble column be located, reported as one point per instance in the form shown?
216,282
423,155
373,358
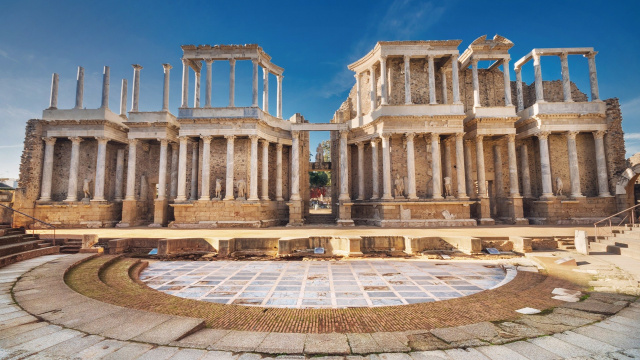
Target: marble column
80,88
593,77
265,170
185,84
207,90
358,97
468,168
526,174
460,166
105,88
196,91
101,162
72,191
407,80
447,167
194,172
601,164
514,190
443,74
476,84
566,80
182,169
131,170
230,160
162,169
455,81
123,98
205,188
295,166
253,169
373,89
538,75
383,80
386,168
360,146
519,89
279,172
254,83
497,171
480,172
507,82
344,167
279,93
47,169
173,192
374,169
55,79
232,82
545,165
574,168
432,80
136,87
165,90
436,167
265,90
119,175
411,167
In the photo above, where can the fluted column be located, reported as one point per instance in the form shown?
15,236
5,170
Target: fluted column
519,89
230,159
447,166
79,88
476,84
497,171
455,81
265,170
443,73
344,167
373,89
574,168
196,95
105,88
131,170
232,82
182,169
526,174
55,79
460,166
254,84
207,90
162,169
538,75
514,190
545,165
295,166
593,77
136,87
205,189
194,172
482,184
468,168
47,169
383,80
566,80
386,168
411,166
407,79
173,192
123,98
507,82
72,191
360,146
101,159
279,172
253,169
601,164
358,97
432,80
279,104
165,90
436,166
374,169
265,90
185,84
119,175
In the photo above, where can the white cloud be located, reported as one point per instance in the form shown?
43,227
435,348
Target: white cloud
632,136
631,109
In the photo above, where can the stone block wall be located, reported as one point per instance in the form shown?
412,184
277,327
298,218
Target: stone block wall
212,214
584,211
93,215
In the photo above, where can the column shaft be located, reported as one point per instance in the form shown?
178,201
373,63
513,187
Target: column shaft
185,84
519,89
253,169
344,167
460,166
386,168
545,165
80,88
174,171
566,80
447,167
360,171
455,81
538,75
507,82
265,90
72,191
497,171
254,84
136,88
432,80
601,164
205,188
279,172
480,174
207,92
182,169
407,80
165,90
476,84
373,89
105,88
593,77
574,168
526,174
383,80
196,96
229,176
374,169
123,98
411,167
468,168
131,171
443,73
47,169
514,190
358,97
162,170
98,192
194,172
265,170
295,166
436,166
119,174
279,104
232,82
55,79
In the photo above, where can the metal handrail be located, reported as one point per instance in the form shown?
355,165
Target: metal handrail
31,217
633,219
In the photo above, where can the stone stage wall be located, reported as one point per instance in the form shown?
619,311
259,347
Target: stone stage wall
234,213
413,213
78,214
565,211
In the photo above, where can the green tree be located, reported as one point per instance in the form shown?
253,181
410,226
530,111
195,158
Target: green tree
318,178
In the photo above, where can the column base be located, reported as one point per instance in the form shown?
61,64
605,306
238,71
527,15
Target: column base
463,197
40,201
265,198
344,197
605,195
386,197
577,196
70,200
547,197
375,197
280,199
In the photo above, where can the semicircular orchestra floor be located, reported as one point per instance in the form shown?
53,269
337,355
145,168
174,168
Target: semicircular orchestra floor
324,284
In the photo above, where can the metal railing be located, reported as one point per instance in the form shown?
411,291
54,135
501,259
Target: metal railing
31,217
631,215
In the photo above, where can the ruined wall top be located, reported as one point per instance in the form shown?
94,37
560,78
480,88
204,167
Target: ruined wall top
195,54
486,49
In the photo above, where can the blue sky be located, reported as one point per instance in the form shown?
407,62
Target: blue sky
312,41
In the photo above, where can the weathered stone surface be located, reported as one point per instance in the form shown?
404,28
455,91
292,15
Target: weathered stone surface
326,344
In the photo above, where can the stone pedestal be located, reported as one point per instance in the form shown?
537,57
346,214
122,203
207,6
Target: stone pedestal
344,214
483,212
295,213
160,212
516,212
129,213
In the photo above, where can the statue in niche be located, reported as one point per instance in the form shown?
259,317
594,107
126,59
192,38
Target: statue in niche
559,186
86,189
242,187
447,187
319,154
399,187
218,188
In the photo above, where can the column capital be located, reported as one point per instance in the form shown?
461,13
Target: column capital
479,137
183,139
572,134
383,57
506,60
102,139
474,61
563,55
406,58
232,61
344,133
295,134
360,145
280,76
385,136
543,135
357,76
185,62
209,61
167,67
206,138
409,136
279,146
511,138
599,134
49,140
372,69
459,135
76,139
264,142
133,142
469,142
230,137
536,58
434,136
254,138
374,142
174,145
137,66
591,54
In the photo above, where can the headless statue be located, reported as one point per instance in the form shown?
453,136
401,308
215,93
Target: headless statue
241,184
218,188
559,187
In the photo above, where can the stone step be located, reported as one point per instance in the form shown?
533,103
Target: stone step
623,243
15,239
7,250
616,250
30,254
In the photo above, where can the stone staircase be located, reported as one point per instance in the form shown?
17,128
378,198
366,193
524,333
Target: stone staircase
16,245
566,243
625,242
